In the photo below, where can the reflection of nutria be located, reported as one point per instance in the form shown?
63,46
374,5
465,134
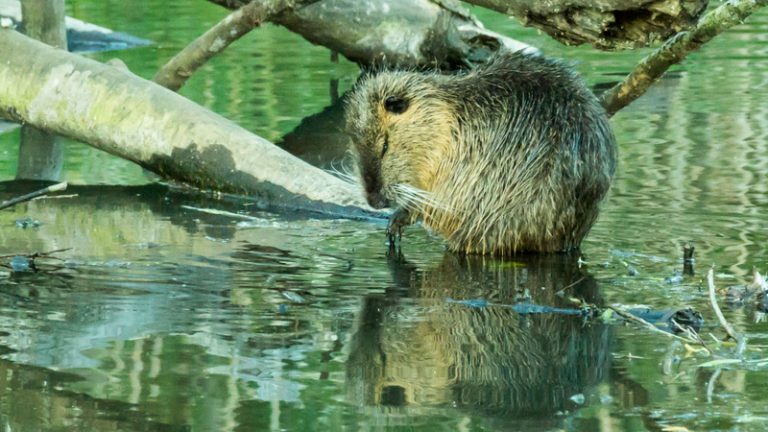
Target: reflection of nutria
424,345
514,156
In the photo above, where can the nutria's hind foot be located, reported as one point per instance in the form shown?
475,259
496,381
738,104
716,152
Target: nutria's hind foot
398,220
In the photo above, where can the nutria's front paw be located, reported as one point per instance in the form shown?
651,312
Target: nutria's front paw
398,220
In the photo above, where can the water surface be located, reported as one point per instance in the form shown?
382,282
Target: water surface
160,316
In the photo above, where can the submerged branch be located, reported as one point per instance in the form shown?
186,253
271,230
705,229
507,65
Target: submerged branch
630,317
175,73
32,195
652,67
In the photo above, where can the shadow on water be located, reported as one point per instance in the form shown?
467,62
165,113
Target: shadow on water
414,353
320,138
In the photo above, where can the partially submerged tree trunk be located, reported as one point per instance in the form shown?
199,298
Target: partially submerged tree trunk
41,155
400,32
606,24
138,120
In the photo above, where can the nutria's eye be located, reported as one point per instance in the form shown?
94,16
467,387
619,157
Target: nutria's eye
395,105
385,147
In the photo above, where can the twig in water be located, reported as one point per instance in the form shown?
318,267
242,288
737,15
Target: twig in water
562,290
713,301
688,259
53,188
34,255
628,316
692,335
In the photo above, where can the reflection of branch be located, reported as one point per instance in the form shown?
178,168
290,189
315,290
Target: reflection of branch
713,300
44,191
674,50
175,73
711,384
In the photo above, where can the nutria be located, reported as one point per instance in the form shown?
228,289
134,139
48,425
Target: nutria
510,157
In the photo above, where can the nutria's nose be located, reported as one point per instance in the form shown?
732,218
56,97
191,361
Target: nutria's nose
377,200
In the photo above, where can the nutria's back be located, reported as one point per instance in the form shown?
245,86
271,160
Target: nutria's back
514,156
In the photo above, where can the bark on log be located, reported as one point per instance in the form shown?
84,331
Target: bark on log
401,32
156,128
606,24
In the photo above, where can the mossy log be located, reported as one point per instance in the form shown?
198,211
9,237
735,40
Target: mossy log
120,113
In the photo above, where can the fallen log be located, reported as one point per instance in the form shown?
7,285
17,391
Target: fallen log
135,119
607,24
401,32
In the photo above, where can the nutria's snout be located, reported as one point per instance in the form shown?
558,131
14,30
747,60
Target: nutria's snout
377,200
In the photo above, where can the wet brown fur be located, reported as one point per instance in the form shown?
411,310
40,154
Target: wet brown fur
513,156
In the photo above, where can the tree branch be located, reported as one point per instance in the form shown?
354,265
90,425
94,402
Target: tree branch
652,67
32,195
175,73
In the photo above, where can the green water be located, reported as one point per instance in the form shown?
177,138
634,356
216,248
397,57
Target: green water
161,317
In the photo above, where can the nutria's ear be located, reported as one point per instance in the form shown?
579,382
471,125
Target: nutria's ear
395,105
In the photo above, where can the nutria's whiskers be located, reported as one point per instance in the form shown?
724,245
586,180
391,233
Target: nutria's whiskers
345,172
414,198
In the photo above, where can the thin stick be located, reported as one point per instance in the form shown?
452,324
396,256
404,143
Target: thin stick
692,335
177,71
562,290
652,67
628,316
44,191
38,254
713,301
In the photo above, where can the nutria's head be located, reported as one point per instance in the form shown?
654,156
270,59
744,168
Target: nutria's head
401,125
